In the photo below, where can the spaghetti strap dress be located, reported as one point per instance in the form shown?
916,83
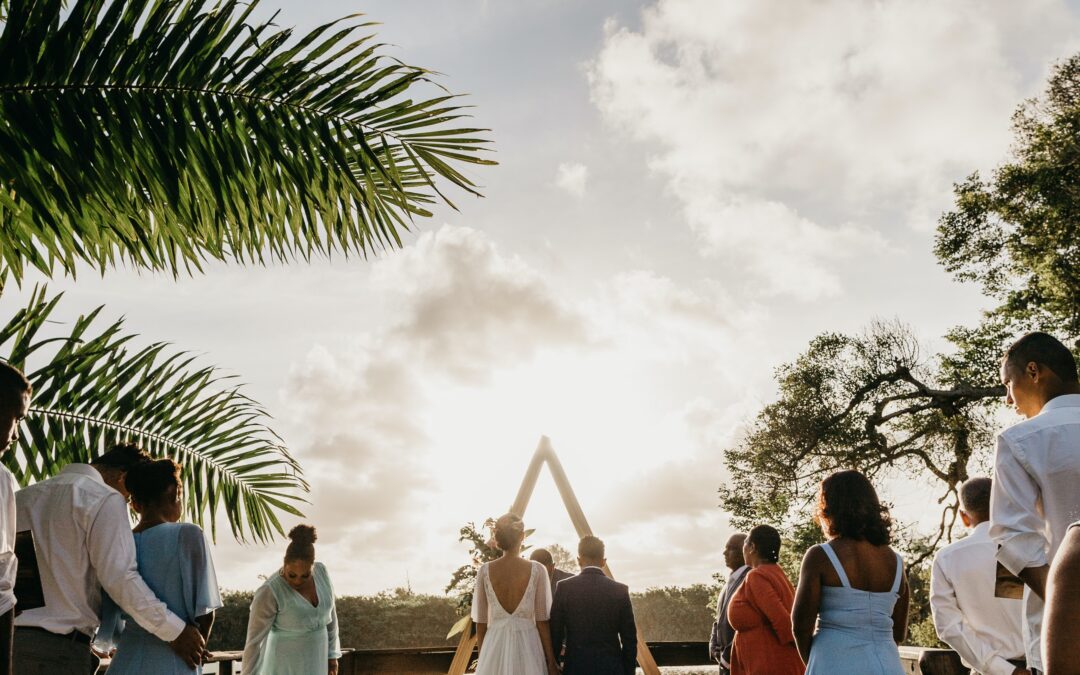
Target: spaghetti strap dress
855,628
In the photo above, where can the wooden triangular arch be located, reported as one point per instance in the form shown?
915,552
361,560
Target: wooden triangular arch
545,454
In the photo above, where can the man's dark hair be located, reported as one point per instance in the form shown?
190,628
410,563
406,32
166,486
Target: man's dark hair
1045,350
591,548
13,384
542,556
975,496
122,457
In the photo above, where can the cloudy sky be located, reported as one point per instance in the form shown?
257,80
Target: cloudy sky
688,191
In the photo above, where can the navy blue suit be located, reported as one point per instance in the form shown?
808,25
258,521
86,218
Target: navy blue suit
592,615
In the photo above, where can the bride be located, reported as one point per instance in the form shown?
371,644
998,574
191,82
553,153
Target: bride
511,606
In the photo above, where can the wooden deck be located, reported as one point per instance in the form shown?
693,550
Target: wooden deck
436,660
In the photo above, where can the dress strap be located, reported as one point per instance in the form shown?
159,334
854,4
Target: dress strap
899,573
836,564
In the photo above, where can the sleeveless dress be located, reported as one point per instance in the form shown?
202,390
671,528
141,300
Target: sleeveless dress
287,635
512,642
174,561
855,628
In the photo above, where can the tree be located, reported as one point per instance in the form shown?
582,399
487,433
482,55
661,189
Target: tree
877,402
161,134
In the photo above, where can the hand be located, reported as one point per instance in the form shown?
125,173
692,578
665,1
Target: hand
332,667
553,669
189,646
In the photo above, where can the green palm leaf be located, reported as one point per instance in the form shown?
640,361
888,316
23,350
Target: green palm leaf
163,133
92,388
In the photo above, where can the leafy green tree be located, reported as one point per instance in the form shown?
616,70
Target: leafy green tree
878,402
162,134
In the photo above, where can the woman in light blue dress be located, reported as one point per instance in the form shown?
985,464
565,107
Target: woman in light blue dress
854,582
292,627
174,561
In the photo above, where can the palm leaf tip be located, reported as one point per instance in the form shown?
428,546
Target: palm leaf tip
163,134
93,389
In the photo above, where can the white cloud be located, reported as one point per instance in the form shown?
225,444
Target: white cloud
787,132
572,177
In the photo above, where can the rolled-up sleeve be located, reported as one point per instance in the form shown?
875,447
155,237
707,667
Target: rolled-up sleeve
1016,526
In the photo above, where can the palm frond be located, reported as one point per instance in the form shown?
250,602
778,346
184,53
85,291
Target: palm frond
93,388
163,133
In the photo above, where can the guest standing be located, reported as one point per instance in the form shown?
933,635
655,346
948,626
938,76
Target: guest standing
1036,469
174,561
82,537
985,630
292,627
854,583
760,612
723,635
511,609
15,391
555,575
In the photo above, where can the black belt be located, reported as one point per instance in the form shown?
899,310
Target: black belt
74,636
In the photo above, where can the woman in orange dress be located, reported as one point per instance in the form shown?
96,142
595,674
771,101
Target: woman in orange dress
760,612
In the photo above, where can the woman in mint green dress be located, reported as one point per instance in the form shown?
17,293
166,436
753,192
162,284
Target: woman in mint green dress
292,628
174,561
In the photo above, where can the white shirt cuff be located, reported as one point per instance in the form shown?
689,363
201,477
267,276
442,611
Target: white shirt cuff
171,629
1023,551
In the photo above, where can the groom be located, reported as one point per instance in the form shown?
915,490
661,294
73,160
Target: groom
592,615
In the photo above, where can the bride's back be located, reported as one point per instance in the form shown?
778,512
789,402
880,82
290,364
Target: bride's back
509,577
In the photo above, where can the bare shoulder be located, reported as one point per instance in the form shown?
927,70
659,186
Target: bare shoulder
815,557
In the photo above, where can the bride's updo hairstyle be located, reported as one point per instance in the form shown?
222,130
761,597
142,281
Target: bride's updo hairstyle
302,544
848,506
509,531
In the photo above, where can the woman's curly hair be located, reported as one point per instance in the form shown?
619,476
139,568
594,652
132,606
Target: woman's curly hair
848,506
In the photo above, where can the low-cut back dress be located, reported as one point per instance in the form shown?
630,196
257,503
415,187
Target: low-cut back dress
512,644
855,627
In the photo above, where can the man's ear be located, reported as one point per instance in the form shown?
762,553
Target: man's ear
965,518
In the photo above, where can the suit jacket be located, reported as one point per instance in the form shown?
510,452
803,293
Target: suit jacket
592,615
723,635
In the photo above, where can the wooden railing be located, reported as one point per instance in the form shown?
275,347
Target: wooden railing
436,660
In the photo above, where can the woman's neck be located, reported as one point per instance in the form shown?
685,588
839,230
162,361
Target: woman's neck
512,553
149,520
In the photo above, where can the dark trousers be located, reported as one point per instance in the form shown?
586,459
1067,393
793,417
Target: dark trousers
39,652
7,626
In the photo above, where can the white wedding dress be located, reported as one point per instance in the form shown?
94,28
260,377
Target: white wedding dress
512,643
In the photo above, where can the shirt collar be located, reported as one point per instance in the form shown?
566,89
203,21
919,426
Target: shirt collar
739,571
981,529
83,470
592,567
1063,401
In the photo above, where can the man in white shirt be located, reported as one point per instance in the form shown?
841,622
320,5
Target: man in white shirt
723,635
15,391
82,537
1036,493
986,631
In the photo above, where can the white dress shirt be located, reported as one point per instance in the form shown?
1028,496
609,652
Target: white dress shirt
984,630
8,563
1036,496
83,540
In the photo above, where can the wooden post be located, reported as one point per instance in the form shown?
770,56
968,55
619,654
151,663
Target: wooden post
545,454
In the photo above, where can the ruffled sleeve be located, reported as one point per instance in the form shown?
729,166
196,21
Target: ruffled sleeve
542,603
201,592
479,596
